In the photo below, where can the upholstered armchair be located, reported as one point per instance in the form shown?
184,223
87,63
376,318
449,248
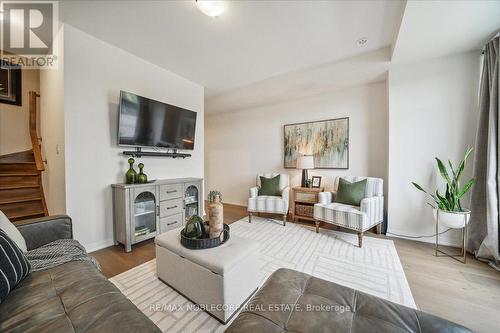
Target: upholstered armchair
369,214
269,203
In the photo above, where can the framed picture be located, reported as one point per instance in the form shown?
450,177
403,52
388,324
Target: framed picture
326,140
10,83
316,182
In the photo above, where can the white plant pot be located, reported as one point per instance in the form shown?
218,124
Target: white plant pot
454,220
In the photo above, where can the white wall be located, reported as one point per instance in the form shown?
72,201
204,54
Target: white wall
432,113
14,120
238,145
94,74
52,130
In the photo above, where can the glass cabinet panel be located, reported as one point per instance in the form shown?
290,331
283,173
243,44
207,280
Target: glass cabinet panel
144,214
191,198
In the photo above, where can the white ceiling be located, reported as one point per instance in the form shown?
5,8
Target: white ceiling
432,29
250,42
366,68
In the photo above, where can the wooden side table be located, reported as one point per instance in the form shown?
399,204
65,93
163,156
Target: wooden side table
302,203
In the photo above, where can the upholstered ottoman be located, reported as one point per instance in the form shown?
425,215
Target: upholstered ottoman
220,279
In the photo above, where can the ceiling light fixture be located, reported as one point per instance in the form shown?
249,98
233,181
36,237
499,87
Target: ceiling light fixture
362,41
212,8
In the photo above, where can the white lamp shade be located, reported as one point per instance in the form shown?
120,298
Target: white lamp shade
305,162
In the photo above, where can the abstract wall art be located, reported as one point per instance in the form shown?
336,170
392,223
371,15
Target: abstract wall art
326,140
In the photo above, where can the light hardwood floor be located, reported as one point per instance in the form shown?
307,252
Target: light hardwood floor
466,294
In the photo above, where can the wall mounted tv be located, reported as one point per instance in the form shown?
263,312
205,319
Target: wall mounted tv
144,122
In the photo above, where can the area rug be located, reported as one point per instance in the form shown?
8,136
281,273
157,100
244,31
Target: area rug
330,255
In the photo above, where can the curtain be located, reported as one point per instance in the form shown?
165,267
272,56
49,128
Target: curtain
483,229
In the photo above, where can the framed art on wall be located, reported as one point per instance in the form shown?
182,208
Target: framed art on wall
10,83
326,140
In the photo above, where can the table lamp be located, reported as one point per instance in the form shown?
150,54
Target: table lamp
305,162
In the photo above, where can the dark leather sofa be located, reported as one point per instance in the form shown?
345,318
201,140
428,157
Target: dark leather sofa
292,301
73,297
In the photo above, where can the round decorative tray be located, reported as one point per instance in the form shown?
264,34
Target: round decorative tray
205,243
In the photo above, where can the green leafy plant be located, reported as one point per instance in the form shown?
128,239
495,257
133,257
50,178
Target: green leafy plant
213,194
450,200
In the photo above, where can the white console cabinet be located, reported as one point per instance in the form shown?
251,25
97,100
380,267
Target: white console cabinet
142,211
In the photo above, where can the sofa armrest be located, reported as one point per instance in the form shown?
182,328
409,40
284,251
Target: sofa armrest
254,192
326,197
41,231
374,208
285,195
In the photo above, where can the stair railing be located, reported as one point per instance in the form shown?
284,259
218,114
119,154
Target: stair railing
37,150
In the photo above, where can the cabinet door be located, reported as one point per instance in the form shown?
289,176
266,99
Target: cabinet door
192,199
143,213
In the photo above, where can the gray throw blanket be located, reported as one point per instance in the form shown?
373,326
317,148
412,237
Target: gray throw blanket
57,253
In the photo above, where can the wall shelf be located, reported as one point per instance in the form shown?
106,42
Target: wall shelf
139,153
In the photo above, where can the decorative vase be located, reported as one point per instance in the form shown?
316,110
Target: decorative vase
131,175
141,177
194,227
454,220
215,214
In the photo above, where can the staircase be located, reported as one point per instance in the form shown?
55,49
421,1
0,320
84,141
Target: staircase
21,190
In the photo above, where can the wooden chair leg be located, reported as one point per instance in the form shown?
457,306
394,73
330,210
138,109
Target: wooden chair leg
249,217
360,239
379,228
284,219
317,226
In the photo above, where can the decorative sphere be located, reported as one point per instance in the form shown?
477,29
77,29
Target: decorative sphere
141,165
131,160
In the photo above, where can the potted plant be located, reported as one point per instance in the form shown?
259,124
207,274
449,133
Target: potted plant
448,205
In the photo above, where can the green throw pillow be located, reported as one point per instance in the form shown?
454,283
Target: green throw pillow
270,186
350,193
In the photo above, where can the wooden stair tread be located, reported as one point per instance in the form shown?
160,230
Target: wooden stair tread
14,163
19,200
21,157
13,187
18,173
26,214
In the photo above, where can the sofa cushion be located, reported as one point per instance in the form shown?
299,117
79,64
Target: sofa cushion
292,301
14,266
267,203
350,193
13,233
343,215
73,297
269,186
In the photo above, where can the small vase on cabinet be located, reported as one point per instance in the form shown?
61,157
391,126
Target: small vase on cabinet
131,175
141,177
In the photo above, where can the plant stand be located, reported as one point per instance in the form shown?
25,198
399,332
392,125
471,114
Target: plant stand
463,253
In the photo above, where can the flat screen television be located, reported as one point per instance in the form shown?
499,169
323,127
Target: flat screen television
144,122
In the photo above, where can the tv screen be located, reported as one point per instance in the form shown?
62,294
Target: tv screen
144,122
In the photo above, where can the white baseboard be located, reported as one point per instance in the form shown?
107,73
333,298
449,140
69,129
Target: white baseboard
443,239
98,245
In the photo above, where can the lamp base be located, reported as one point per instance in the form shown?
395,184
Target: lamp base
305,177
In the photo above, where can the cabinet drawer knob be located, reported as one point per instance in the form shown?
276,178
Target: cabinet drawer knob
172,223
173,191
172,207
